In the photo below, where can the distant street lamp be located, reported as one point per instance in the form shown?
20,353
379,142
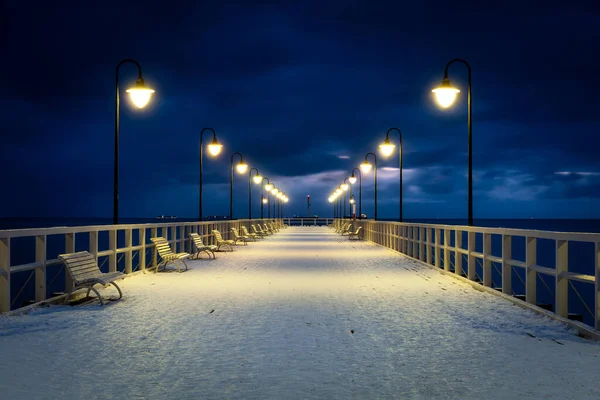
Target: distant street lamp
257,180
265,200
352,181
366,168
214,148
241,168
446,94
387,148
140,96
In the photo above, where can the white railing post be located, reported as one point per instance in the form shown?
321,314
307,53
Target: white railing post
458,269
506,265
70,248
112,246
154,232
40,272
188,248
129,251
530,274
597,286
562,280
413,241
487,263
4,275
429,244
182,239
142,251
471,259
447,233
438,261
421,244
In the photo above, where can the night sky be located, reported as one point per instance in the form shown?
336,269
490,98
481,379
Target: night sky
303,90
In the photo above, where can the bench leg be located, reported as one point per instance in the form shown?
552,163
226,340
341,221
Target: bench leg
118,289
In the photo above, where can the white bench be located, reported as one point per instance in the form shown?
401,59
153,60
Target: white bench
84,270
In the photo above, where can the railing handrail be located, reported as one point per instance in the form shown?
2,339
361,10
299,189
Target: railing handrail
424,243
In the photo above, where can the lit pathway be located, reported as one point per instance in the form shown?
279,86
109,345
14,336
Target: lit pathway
304,314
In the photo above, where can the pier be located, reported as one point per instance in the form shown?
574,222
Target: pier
304,313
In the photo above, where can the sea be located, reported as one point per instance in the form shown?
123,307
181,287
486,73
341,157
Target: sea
581,255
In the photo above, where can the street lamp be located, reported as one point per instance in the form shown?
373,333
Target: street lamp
344,187
387,148
366,168
214,148
241,168
140,96
257,180
446,94
352,181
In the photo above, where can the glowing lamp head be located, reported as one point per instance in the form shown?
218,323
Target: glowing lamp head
274,191
365,167
331,199
257,179
352,200
445,93
352,179
387,148
140,94
279,195
242,167
285,199
338,191
264,200
214,148
268,187
344,186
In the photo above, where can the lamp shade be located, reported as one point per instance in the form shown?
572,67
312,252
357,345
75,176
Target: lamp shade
140,94
445,93
387,148
365,167
214,148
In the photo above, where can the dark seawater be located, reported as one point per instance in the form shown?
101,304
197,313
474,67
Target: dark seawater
581,255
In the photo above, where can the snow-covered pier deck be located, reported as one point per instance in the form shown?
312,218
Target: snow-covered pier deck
304,314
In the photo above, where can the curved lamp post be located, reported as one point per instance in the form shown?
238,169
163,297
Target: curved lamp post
241,168
263,199
273,192
214,148
387,148
257,179
446,94
344,187
366,168
352,181
140,96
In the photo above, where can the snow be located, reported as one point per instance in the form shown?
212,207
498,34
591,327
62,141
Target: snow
304,314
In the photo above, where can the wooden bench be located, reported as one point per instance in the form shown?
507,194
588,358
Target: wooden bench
355,233
222,242
84,270
200,247
237,237
167,255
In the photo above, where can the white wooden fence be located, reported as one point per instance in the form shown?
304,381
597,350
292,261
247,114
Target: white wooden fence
176,233
432,244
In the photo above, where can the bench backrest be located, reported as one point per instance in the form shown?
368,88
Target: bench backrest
162,246
245,231
235,233
217,235
197,239
81,265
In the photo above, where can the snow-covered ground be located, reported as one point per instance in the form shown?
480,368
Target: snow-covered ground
304,314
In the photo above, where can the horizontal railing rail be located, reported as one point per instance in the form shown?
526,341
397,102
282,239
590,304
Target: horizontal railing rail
30,250
443,246
307,221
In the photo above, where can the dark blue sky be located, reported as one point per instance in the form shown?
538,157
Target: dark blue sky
303,90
